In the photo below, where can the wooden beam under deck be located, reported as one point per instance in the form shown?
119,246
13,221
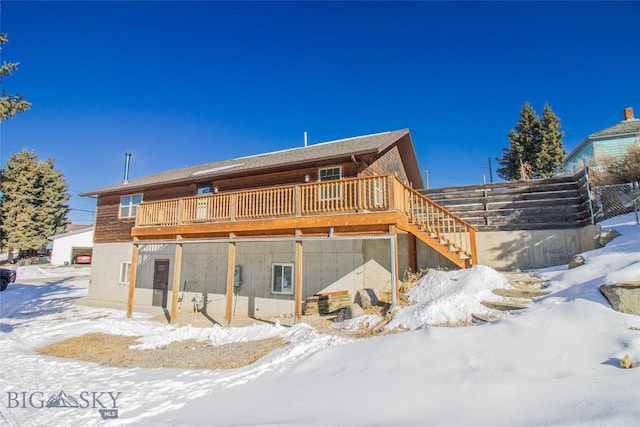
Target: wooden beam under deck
177,267
231,265
361,222
297,282
132,279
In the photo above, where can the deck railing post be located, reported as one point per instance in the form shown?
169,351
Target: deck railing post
297,200
180,208
233,198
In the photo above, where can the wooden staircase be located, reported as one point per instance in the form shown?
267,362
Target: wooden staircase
440,229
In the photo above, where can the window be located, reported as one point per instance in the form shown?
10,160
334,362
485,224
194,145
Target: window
378,193
330,191
129,205
282,278
125,272
330,174
204,189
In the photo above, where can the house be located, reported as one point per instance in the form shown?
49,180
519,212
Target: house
66,246
609,142
257,235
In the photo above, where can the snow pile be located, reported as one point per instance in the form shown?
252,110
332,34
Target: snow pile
26,272
450,297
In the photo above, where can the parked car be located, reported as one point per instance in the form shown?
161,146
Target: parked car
82,259
7,276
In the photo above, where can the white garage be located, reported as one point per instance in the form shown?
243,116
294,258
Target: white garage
66,246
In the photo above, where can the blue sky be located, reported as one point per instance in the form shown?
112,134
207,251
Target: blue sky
184,83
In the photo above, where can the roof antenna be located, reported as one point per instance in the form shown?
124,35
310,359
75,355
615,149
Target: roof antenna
305,138
127,159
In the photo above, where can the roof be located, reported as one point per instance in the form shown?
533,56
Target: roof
367,144
71,233
623,128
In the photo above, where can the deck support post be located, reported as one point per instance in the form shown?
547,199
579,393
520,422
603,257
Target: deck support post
231,265
175,290
132,279
297,284
394,262
413,253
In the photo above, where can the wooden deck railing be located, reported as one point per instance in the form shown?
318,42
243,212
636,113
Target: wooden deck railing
356,195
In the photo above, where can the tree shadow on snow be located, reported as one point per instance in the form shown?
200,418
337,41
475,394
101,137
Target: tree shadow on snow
29,301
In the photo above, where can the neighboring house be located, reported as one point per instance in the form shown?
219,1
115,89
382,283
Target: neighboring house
610,142
65,246
258,234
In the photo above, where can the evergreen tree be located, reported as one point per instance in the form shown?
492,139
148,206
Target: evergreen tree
33,201
10,105
551,151
535,142
523,142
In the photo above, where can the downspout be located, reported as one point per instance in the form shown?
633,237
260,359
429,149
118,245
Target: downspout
353,159
392,246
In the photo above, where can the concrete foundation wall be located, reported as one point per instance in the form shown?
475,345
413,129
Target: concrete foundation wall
525,250
105,272
328,265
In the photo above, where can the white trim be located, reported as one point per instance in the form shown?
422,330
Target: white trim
290,287
127,270
130,206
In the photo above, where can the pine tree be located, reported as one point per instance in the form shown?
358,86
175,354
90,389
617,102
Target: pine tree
551,151
535,142
523,142
33,201
10,105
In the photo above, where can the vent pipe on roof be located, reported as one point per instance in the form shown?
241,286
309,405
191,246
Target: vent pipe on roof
305,138
127,160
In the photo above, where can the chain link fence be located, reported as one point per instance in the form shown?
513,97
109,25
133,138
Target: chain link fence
617,204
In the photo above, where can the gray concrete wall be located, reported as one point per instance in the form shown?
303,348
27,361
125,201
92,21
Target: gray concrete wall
428,257
105,272
525,250
328,265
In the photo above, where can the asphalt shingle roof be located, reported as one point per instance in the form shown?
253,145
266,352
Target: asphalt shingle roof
327,150
622,128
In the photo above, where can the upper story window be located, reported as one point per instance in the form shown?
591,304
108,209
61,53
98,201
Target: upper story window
204,189
330,174
129,205
330,191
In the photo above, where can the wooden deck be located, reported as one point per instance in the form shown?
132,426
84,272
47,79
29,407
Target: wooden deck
358,206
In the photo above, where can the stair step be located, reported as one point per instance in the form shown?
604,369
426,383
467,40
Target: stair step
485,317
520,293
502,306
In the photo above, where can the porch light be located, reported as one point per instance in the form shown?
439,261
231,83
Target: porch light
216,189
307,178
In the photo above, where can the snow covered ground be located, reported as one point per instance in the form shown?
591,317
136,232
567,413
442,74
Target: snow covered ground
554,363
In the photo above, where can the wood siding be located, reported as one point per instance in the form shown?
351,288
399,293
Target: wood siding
389,162
109,228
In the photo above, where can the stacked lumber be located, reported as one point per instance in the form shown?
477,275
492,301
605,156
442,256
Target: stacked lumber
327,302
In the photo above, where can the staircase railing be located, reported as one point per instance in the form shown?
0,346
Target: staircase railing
437,222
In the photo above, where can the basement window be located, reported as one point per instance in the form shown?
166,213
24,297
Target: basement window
282,278
129,205
125,272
